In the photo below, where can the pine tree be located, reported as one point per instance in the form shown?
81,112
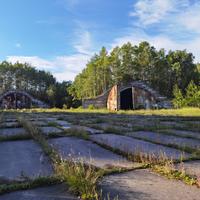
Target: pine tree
193,95
178,100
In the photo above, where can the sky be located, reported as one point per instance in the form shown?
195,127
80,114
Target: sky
61,36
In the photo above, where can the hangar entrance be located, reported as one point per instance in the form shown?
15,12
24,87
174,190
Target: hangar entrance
126,99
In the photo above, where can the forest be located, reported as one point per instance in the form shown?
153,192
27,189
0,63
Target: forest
172,74
162,71
40,84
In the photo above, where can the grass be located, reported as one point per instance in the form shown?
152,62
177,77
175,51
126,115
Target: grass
77,132
80,178
83,179
15,137
38,182
160,164
188,111
169,170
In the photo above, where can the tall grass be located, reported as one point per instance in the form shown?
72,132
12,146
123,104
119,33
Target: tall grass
80,178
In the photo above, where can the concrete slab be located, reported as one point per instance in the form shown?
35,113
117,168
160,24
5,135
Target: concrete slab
50,129
22,157
50,119
191,167
10,120
9,125
88,129
184,133
166,139
172,123
57,192
63,124
12,131
145,185
131,145
40,123
88,152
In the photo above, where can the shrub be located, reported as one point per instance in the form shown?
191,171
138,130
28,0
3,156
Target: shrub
193,95
91,107
178,100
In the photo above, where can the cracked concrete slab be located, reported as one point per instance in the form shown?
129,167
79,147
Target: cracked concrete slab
146,185
190,167
12,131
135,146
184,133
9,125
166,139
87,129
50,129
88,152
56,192
63,124
23,157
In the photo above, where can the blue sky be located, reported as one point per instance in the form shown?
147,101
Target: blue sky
60,36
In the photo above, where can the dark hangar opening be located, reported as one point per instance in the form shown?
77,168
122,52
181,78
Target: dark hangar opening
126,99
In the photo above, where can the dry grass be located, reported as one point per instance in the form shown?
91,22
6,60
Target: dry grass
81,179
189,111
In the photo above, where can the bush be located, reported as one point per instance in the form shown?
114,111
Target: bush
91,107
178,100
192,97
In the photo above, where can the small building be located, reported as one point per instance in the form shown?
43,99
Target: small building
135,95
15,99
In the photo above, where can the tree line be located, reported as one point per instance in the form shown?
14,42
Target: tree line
170,73
40,84
160,69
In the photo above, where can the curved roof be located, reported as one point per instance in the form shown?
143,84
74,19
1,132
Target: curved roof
20,92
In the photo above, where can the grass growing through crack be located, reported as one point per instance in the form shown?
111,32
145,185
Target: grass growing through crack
15,137
160,164
77,132
81,179
40,181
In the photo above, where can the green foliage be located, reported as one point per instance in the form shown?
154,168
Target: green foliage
128,63
91,107
178,100
192,97
24,77
42,85
80,179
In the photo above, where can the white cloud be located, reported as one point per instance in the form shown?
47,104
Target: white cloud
190,19
18,45
33,60
83,42
159,41
151,11
176,25
62,67
154,11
